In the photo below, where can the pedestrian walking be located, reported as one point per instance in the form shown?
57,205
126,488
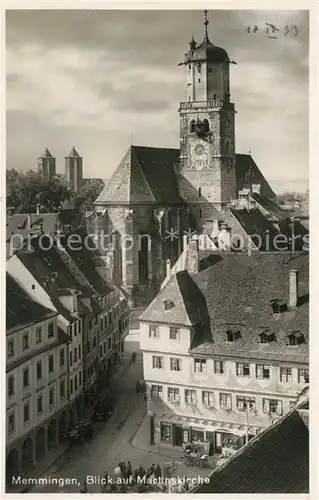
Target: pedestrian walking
84,488
133,357
136,472
141,472
158,471
129,469
137,386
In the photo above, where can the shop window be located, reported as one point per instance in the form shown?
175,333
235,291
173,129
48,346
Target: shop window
197,436
166,433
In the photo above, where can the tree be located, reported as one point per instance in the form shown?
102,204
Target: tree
25,190
86,196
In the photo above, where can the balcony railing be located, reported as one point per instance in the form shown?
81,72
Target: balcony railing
185,105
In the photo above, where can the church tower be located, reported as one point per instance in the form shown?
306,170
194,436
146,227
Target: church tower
46,163
74,169
207,126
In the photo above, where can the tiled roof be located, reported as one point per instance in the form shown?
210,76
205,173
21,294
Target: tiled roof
237,291
18,223
84,260
21,310
245,166
145,175
46,154
275,461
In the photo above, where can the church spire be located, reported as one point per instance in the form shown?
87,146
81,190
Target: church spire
206,23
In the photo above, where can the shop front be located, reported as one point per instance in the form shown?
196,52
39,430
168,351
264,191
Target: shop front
214,442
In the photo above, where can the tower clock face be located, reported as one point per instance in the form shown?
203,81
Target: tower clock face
40,161
198,154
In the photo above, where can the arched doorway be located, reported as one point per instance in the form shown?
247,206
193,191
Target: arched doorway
40,444
63,424
12,466
27,454
52,435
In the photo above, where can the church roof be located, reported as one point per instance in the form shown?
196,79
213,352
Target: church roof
145,175
73,153
46,154
207,51
248,171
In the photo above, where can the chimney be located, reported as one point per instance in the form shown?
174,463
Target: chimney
168,267
38,208
293,288
29,224
185,241
193,256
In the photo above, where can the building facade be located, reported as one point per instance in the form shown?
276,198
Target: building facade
222,363
37,381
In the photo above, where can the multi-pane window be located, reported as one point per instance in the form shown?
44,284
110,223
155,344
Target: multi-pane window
11,423
11,385
218,366
75,329
39,370
62,357
176,364
94,342
88,347
76,383
10,348
38,335
109,343
104,347
101,350
26,413
208,398
190,396
51,364
153,332
80,378
51,330
245,402
25,341
62,389
156,391
225,401
243,369
25,377
272,406
157,362
71,358
75,355
174,333
40,404
262,371
303,376
200,365
51,396
285,375
173,395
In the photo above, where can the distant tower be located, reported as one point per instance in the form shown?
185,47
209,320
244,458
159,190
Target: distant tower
74,169
46,163
207,123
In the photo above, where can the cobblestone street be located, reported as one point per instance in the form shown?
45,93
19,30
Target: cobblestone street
121,438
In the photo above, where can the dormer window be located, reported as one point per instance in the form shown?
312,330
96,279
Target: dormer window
296,338
168,304
278,306
232,335
266,336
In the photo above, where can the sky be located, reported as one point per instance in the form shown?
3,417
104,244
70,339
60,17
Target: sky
101,80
